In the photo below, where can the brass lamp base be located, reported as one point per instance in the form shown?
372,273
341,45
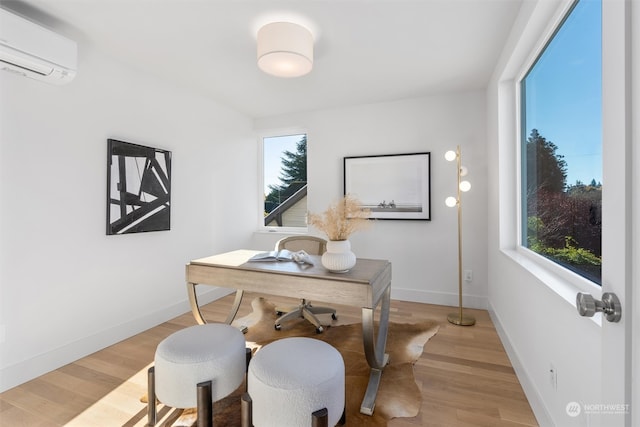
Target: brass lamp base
461,320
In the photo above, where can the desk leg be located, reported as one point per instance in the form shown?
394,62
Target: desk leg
195,307
193,301
235,307
374,349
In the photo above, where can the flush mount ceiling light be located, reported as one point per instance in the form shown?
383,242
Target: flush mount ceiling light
285,49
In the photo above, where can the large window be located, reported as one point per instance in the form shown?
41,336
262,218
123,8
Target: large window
561,134
285,181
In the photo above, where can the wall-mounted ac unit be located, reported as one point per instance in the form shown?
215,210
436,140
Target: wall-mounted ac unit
31,50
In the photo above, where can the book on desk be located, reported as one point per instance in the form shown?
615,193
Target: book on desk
282,255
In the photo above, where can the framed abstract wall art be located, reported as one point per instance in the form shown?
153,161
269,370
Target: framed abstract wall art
138,188
392,186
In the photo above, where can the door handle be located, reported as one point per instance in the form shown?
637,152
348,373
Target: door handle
610,306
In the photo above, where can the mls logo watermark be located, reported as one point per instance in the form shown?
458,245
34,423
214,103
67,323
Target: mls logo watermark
574,409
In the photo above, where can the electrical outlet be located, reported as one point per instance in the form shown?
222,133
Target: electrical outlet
468,275
553,376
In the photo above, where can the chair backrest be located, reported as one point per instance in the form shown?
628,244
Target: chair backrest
310,244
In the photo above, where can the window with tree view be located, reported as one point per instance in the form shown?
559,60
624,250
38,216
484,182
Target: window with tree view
561,127
285,180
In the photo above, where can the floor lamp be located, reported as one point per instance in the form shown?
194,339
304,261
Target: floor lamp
459,318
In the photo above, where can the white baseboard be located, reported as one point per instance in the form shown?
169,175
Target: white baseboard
543,416
439,298
19,373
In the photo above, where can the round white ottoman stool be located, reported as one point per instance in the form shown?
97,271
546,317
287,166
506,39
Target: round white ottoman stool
196,366
292,378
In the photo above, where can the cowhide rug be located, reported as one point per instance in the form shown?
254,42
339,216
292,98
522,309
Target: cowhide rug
398,395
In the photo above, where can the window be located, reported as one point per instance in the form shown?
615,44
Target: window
561,152
285,181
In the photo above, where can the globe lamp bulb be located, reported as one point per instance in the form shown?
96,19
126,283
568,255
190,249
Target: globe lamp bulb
450,155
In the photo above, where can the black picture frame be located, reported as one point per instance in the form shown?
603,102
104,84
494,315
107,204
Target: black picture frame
392,186
138,188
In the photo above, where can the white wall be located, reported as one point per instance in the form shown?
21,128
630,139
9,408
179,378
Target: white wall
423,253
67,289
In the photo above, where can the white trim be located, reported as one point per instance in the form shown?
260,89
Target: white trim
261,135
553,24
533,55
300,231
571,279
540,411
634,298
511,240
439,298
555,277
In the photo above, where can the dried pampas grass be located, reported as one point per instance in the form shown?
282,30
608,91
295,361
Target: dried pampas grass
341,219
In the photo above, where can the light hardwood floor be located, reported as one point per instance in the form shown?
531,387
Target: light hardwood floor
464,374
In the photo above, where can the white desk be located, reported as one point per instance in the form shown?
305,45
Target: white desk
366,285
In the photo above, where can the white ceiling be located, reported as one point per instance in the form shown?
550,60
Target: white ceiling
366,50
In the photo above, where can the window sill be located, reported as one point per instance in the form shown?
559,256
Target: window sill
289,231
564,283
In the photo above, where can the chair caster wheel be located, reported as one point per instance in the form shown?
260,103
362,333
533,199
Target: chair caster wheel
333,316
319,330
277,327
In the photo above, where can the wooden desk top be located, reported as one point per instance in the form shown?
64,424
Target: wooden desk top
362,286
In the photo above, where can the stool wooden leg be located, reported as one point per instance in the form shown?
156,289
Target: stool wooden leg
320,418
205,406
248,360
152,414
246,416
248,357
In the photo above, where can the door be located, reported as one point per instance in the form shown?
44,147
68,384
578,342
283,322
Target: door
615,408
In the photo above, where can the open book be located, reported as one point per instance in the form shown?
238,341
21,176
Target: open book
282,255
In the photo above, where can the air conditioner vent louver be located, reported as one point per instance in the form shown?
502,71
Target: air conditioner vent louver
34,51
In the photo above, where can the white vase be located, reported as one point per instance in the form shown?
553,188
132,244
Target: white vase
338,258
